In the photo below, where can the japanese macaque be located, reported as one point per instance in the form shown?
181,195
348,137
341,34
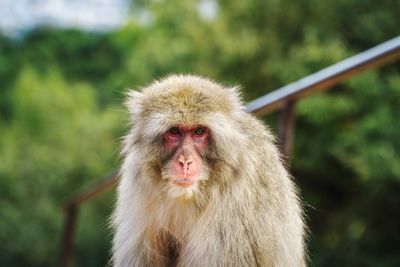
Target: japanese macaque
202,183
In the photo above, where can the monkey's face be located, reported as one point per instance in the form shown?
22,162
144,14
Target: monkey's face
186,140
185,167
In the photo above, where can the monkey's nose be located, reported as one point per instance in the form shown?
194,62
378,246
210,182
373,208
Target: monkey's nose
184,162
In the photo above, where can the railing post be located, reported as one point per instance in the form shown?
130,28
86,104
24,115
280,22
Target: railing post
68,235
286,129
70,209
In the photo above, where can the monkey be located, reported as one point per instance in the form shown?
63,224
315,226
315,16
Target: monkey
202,183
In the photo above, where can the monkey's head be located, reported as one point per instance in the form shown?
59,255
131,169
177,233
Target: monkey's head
184,129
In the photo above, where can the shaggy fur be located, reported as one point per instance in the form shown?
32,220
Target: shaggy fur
244,211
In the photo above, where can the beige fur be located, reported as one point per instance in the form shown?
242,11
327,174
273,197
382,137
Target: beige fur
244,211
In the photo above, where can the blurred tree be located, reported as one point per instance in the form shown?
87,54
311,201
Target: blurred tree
58,140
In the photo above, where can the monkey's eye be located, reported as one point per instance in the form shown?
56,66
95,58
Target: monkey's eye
174,131
199,131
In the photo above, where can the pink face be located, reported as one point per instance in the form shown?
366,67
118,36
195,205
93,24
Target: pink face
186,163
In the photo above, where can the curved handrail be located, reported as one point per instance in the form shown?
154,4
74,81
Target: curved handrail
328,77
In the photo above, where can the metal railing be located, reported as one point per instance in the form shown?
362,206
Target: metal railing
283,99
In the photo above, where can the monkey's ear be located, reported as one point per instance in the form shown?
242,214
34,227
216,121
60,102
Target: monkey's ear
133,102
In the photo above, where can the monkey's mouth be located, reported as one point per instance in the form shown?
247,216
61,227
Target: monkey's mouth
184,182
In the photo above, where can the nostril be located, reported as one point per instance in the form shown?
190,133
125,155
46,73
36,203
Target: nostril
184,163
189,159
185,160
181,159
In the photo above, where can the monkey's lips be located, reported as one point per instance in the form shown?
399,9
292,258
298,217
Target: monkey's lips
184,182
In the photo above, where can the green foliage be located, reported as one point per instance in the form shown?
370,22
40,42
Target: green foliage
44,154
60,120
350,171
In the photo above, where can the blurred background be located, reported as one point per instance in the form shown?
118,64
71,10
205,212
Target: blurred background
64,67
